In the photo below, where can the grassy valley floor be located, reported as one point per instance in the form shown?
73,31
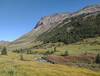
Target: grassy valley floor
11,65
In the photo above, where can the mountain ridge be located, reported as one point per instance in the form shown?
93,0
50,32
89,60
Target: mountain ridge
48,23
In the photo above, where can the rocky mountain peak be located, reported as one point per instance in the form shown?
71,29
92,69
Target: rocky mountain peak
48,21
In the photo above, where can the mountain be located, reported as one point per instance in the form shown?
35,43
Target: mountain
4,43
46,23
63,27
80,25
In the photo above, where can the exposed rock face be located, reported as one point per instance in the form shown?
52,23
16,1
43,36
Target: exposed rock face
49,23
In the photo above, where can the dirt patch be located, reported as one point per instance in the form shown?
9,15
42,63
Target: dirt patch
83,58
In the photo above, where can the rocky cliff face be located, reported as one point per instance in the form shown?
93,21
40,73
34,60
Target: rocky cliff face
48,22
47,27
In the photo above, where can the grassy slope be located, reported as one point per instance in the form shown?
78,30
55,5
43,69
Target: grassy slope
91,45
78,49
11,66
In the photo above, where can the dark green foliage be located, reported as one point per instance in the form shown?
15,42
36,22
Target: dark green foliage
35,52
29,51
21,57
80,27
49,52
98,59
21,54
4,51
65,53
16,51
44,57
21,51
55,49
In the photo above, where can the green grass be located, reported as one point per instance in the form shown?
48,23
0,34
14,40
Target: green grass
11,65
73,49
90,45
78,49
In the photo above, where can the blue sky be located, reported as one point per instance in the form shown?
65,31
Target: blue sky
18,17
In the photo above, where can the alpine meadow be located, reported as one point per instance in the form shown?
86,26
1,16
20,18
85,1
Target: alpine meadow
65,43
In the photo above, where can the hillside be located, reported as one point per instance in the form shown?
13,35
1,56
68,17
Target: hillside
64,27
57,38
85,24
46,23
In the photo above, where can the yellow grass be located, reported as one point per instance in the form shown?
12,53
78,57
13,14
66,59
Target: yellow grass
11,65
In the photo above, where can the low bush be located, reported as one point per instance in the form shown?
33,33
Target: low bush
4,51
97,59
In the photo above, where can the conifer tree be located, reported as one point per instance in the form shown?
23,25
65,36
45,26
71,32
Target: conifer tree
98,59
4,51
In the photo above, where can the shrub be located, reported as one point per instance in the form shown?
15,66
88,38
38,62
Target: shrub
21,54
65,53
29,51
16,51
21,57
44,57
48,52
54,49
4,51
98,59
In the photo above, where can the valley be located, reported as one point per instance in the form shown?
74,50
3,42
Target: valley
34,64
62,44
